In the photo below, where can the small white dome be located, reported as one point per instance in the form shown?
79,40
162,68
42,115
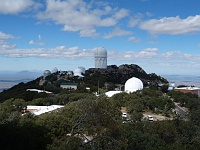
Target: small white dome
78,72
46,73
82,69
100,52
133,84
54,70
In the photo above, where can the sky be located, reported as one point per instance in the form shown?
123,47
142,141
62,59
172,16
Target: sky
162,37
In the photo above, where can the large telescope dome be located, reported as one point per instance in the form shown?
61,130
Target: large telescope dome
133,84
100,54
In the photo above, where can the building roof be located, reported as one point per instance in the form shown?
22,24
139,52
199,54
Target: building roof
188,88
38,110
111,93
78,72
70,83
100,52
39,91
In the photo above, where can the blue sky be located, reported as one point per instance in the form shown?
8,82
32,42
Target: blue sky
162,37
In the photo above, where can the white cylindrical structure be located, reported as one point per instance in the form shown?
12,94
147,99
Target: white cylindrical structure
100,55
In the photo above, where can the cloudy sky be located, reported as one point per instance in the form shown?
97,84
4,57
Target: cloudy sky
160,36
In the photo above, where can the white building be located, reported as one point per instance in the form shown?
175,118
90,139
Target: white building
79,71
132,85
38,110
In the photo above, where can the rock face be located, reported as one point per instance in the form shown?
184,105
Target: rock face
119,75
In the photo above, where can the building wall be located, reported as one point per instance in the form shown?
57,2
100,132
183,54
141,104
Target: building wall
100,62
195,91
69,87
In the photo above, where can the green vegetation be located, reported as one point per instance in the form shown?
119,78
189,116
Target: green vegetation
99,118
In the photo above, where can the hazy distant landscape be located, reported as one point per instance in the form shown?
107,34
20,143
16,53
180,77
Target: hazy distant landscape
183,79
9,79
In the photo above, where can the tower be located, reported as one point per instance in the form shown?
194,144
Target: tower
100,55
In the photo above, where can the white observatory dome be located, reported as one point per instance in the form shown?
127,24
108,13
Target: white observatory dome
54,70
82,69
46,73
100,54
133,84
78,72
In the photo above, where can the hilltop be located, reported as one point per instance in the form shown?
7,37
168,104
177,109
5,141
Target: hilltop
119,75
107,79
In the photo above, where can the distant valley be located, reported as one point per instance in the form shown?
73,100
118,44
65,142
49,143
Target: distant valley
189,80
9,79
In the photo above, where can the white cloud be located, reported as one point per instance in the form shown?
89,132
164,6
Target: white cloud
31,42
121,14
117,32
147,53
39,37
4,44
5,36
151,49
38,43
17,6
57,52
133,39
152,42
135,20
81,16
172,25
88,33
149,57
7,46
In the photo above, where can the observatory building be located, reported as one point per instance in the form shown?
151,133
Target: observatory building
54,70
132,85
79,71
100,55
46,73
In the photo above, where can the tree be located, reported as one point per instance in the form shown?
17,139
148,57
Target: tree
138,140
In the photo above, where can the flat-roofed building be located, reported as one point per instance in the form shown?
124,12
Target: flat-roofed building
193,90
69,85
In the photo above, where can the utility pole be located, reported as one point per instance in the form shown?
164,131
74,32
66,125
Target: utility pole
98,88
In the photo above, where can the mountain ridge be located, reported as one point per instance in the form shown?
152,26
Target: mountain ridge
113,75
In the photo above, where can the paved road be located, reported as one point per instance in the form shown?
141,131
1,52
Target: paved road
182,113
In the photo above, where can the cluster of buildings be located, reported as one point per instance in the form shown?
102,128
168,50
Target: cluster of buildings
100,56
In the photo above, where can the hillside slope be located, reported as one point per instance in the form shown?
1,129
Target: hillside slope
111,77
